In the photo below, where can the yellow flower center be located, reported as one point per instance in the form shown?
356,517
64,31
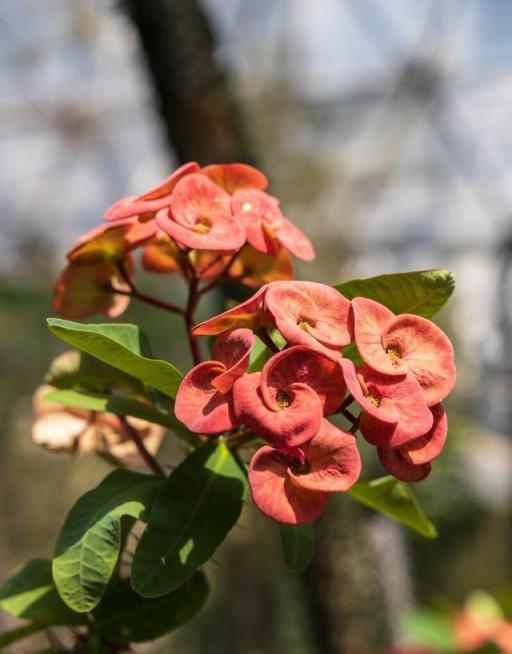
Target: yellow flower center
203,225
283,399
394,355
304,322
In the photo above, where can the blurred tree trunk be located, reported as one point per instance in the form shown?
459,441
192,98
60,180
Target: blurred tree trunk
197,107
345,596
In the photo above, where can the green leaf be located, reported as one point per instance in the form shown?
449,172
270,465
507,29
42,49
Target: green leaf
426,628
396,500
124,616
74,369
298,546
422,292
199,504
121,406
121,346
260,354
29,593
88,545
8,637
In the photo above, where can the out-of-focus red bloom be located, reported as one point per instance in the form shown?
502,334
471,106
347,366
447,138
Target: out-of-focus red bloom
394,410
85,289
394,345
480,622
235,176
256,269
293,486
265,224
82,431
151,201
306,313
411,462
285,403
204,400
161,254
410,649
103,243
200,216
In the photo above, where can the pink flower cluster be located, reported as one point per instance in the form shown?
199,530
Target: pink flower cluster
408,369
216,222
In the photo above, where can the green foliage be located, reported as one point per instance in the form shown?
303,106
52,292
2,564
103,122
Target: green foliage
422,292
396,500
199,504
122,346
126,617
298,543
29,593
428,628
121,406
88,546
260,354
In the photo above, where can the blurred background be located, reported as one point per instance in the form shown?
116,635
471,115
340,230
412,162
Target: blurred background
385,128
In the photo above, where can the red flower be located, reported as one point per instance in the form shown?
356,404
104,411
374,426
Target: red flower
306,313
285,403
200,216
232,177
395,345
265,224
204,399
294,486
393,408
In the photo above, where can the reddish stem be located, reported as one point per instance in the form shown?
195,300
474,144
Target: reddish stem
193,298
149,459
143,297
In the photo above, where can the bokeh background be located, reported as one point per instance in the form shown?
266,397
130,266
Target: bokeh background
385,128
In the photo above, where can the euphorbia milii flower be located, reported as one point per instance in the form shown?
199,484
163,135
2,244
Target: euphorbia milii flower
82,431
200,216
103,243
204,399
394,410
411,461
286,402
161,254
265,224
84,289
255,269
235,176
293,486
306,313
394,345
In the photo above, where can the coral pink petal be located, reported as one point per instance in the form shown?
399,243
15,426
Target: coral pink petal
167,186
261,236
332,461
307,313
142,229
406,395
199,406
232,177
426,351
428,447
277,496
233,349
304,366
393,461
284,427
295,240
196,197
370,321
385,412
247,314
225,233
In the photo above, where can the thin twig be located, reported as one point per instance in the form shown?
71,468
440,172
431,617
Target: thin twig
149,459
193,298
140,295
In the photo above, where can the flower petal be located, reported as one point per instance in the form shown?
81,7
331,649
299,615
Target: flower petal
161,254
428,447
332,458
277,496
394,462
295,240
284,427
233,350
234,176
199,406
247,314
304,366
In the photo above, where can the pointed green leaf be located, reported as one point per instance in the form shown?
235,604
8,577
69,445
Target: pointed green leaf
121,346
298,546
260,354
29,593
124,616
88,545
121,406
422,292
199,504
396,500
